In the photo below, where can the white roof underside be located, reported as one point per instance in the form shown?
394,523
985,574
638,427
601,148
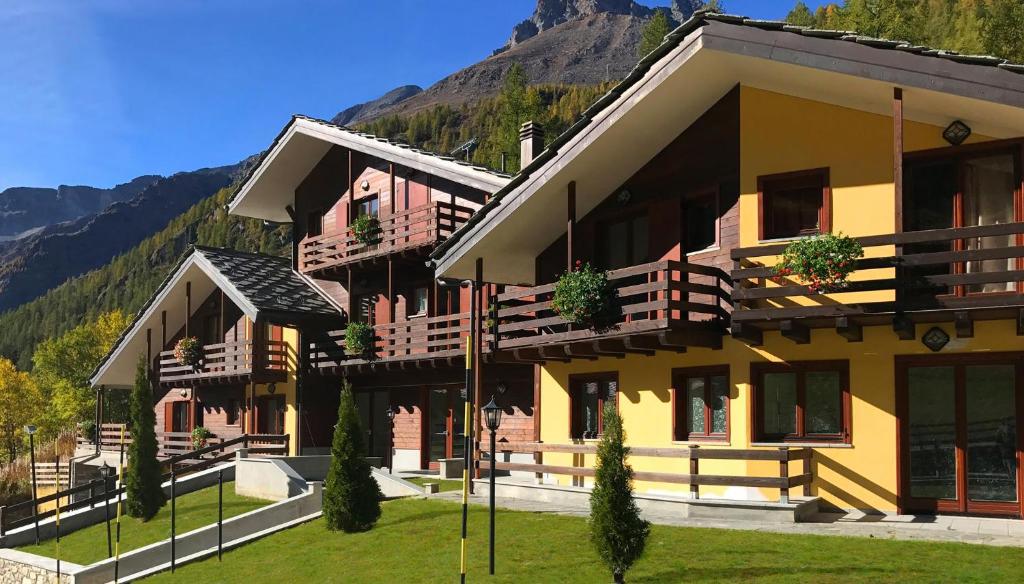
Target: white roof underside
271,186
680,87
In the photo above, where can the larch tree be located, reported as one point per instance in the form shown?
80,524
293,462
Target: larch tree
19,405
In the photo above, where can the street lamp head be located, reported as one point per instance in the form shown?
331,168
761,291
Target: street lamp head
492,415
391,414
30,429
105,470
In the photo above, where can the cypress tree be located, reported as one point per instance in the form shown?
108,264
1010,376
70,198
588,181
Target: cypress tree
616,528
143,478
351,494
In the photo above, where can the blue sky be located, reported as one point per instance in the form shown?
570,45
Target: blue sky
99,91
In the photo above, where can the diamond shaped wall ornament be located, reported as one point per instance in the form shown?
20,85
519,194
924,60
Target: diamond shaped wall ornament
935,339
956,133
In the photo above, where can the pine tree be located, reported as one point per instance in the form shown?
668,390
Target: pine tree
654,33
616,528
800,15
1003,30
142,481
351,495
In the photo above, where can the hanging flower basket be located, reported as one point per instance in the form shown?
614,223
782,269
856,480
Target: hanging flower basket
582,296
188,351
200,435
366,229
822,262
358,338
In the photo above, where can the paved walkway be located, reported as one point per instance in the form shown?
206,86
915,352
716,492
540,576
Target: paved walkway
978,530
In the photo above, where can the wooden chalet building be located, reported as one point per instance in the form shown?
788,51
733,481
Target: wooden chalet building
246,310
901,393
321,177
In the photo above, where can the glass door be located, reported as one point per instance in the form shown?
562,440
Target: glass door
989,186
447,411
960,441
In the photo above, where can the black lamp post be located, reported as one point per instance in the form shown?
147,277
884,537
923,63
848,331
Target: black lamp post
391,440
492,417
31,431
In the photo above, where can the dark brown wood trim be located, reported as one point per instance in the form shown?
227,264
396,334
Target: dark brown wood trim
800,368
577,379
679,402
571,226
897,147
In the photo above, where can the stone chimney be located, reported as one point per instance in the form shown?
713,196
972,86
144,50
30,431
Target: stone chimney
531,142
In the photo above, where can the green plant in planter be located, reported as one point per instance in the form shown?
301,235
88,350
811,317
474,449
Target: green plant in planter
199,437
358,338
823,262
188,351
366,229
582,296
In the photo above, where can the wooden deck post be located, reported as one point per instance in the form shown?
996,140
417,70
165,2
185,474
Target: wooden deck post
694,473
478,289
784,475
807,471
188,305
570,225
897,181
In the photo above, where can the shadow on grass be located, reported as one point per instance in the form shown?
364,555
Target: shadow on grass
808,573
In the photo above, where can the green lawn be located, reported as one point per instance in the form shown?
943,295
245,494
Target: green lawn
445,485
417,540
194,510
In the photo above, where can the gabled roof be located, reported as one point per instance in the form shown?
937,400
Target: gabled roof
760,52
270,184
261,286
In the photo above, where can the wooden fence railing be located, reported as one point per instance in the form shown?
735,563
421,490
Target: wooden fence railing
98,490
423,225
783,481
934,269
648,297
46,474
228,359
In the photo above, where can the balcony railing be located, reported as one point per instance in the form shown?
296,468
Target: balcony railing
426,225
942,269
417,338
227,360
659,296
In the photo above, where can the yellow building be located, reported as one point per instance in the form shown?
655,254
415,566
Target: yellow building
903,392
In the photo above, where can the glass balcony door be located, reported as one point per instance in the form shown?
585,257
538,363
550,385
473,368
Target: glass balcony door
446,430
960,440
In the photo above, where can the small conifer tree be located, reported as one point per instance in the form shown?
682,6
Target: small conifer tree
654,33
351,494
143,477
616,528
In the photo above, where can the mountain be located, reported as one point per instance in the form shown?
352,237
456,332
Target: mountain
575,42
31,265
23,209
374,108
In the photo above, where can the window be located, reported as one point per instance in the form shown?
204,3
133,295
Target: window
802,401
368,206
701,397
588,396
700,221
420,301
364,307
623,243
315,223
794,204
232,412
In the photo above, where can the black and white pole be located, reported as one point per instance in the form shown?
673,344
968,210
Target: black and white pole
492,417
31,431
173,480
57,514
220,514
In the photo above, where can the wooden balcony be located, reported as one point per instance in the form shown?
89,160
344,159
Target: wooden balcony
226,362
660,305
958,274
417,339
404,231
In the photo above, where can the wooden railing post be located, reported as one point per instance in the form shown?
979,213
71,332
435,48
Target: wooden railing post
694,472
3,520
538,458
784,475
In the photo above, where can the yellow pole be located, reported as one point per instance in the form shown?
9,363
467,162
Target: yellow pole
465,466
58,519
117,490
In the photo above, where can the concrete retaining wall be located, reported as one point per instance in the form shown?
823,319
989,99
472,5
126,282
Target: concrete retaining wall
21,568
81,518
579,498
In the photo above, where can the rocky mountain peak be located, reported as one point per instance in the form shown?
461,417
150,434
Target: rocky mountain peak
551,13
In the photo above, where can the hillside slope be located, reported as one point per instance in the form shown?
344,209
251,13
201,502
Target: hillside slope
32,265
